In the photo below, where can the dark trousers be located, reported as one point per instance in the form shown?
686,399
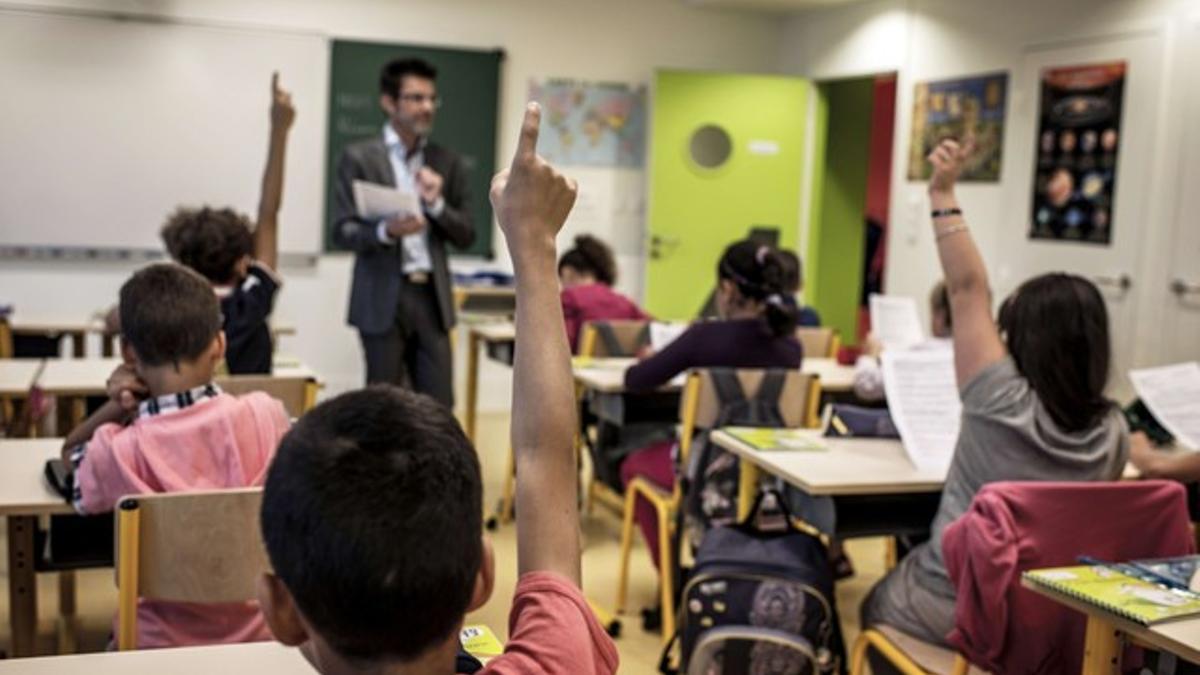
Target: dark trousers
415,353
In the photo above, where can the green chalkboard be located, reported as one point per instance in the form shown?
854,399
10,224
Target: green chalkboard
469,85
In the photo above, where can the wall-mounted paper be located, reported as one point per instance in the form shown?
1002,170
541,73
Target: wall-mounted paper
895,321
922,395
1172,393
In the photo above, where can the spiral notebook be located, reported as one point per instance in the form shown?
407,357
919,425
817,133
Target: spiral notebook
1138,600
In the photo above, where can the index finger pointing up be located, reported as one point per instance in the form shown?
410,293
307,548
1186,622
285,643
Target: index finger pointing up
527,143
275,81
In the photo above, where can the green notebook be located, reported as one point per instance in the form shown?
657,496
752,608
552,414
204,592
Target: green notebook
1135,599
776,439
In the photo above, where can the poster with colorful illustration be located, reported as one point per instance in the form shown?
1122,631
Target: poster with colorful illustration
1079,136
591,123
954,109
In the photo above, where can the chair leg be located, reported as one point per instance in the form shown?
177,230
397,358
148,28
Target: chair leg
68,625
961,665
626,547
891,553
666,562
858,655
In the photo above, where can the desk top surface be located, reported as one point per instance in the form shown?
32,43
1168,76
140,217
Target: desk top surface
849,466
1178,637
87,376
23,488
54,323
607,375
496,331
263,658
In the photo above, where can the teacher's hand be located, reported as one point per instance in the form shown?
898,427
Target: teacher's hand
402,226
429,184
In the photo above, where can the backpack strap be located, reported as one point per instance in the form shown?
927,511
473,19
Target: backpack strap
609,337
643,337
771,387
728,386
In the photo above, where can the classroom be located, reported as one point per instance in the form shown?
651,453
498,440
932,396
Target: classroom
564,336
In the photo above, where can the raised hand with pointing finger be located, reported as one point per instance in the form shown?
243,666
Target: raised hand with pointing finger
531,198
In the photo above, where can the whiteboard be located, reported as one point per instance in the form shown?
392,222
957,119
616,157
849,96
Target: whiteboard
108,125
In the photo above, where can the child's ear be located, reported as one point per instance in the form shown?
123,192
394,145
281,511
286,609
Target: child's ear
218,347
279,610
127,354
485,581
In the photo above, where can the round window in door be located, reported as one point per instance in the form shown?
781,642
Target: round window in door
710,146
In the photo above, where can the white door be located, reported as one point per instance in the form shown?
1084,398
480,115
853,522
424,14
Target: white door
1113,267
1181,286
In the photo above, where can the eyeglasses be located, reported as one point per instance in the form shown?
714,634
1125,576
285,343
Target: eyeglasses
421,98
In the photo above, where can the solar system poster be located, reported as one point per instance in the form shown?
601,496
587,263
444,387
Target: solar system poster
1079,136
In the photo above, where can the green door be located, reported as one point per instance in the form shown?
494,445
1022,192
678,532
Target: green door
726,158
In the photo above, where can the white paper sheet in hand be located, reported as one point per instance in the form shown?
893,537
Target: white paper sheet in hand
1172,393
663,334
376,202
895,321
923,398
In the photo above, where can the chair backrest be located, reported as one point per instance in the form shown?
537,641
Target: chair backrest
298,394
700,405
1013,527
201,547
819,342
616,338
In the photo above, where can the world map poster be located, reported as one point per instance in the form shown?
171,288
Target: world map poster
591,123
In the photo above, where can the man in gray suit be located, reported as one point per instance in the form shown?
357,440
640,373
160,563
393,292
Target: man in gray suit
401,299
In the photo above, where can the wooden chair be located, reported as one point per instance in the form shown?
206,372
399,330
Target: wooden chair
201,547
607,339
298,394
699,410
907,654
819,342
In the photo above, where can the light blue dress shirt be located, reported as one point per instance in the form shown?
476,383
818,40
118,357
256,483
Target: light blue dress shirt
405,168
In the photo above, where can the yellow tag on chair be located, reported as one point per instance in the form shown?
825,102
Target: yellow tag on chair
481,642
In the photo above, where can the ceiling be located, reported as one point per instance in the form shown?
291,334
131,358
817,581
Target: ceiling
768,5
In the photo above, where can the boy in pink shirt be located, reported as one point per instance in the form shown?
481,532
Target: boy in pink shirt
168,428
372,511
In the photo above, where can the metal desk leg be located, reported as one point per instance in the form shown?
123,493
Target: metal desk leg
747,488
472,403
22,584
78,344
1101,648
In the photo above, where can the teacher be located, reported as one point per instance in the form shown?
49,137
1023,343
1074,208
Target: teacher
401,298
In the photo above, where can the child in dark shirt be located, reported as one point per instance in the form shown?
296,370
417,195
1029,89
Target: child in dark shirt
239,259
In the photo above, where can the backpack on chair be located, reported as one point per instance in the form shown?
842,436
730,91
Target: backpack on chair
710,480
759,601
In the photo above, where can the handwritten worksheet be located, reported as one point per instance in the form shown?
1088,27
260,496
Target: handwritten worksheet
1172,393
922,395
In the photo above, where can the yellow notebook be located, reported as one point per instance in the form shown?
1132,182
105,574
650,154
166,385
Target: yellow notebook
776,439
479,641
1138,600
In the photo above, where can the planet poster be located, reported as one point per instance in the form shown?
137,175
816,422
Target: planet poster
1078,141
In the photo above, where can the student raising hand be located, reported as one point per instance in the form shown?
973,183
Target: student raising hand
532,201
977,343
283,113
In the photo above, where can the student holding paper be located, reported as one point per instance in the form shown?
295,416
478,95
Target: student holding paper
401,300
868,375
1033,401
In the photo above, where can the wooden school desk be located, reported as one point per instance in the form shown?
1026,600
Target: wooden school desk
78,329
875,488
1103,639
495,300
498,337
24,496
261,658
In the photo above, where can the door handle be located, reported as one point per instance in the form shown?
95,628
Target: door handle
1122,282
1181,288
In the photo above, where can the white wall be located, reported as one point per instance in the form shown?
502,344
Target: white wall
617,40
933,39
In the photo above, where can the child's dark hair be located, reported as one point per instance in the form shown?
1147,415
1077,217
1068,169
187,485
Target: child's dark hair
168,314
1056,330
372,518
210,241
793,271
759,274
591,256
391,76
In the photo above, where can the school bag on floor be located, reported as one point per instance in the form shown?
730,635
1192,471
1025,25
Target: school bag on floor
710,479
759,602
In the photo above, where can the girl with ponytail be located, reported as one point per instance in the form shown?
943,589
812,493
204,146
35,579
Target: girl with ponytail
587,272
756,329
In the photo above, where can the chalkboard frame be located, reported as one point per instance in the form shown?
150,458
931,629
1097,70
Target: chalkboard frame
468,84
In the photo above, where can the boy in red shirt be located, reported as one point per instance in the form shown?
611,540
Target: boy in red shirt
372,512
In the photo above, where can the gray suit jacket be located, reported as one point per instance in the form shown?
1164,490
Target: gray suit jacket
378,267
